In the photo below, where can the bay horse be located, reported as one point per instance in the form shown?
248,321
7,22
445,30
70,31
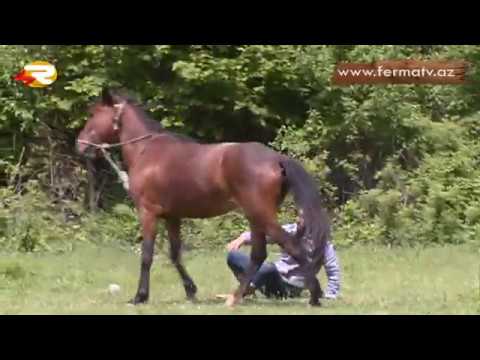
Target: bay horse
172,177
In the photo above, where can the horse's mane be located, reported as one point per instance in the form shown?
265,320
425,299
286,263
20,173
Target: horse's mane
150,123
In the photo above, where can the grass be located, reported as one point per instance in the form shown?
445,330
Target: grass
442,280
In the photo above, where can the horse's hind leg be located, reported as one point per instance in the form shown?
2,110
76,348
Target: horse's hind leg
313,286
149,228
257,257
173,228
311,280
260,204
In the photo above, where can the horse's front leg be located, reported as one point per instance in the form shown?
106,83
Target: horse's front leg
148,222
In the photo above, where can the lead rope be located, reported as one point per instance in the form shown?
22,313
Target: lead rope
122,175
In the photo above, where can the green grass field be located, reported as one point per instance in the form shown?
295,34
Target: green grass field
442,280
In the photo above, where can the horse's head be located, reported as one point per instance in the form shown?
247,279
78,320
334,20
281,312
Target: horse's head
103,126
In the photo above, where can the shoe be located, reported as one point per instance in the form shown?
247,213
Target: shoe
250,292
222,296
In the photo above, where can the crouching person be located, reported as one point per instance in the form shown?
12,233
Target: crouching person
282,278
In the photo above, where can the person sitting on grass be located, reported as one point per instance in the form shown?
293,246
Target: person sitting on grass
283,278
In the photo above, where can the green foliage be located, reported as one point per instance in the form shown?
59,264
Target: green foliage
31,223
436,203
396,164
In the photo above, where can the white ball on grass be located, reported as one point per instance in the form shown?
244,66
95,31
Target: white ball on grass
113,289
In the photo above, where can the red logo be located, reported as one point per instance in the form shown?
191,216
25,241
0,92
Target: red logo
24,77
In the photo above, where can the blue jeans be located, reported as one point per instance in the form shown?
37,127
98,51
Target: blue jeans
267,279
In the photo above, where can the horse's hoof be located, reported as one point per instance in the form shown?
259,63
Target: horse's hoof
192,299
139,299
315,303
191,291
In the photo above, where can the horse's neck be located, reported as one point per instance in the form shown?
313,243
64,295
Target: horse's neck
132,128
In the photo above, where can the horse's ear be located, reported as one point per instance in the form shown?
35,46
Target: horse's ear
107,97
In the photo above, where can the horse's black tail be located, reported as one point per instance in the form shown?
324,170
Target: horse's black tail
308,199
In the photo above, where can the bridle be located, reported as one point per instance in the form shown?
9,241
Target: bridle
119,108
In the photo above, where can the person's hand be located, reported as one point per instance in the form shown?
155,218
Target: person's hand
236,244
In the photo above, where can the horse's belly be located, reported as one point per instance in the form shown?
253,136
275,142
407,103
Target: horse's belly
202,206
204,211
194,190
192,203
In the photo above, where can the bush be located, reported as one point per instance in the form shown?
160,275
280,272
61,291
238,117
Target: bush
396,164
31,222
436,204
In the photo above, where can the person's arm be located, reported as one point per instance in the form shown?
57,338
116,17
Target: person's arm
246,238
